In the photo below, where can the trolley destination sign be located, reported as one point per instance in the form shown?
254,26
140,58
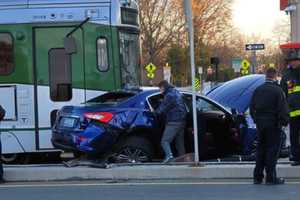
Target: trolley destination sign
254,47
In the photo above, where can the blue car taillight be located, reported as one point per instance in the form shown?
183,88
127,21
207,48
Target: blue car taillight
103,117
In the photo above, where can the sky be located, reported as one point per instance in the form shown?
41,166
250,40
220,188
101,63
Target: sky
257,17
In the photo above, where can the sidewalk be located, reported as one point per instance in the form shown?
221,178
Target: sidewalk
140,172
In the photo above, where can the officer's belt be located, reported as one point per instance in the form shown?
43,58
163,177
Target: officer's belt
295,113
294,90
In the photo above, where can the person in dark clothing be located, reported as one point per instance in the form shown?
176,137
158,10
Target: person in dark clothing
269,110
290,83
2,114
174,110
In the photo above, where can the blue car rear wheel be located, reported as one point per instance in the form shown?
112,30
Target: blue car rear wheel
134,149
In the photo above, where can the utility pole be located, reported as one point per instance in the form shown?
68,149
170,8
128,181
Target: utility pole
189,21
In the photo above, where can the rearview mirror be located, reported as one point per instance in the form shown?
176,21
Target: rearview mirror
70,45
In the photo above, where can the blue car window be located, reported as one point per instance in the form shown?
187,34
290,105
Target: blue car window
205,106
112,98
155,100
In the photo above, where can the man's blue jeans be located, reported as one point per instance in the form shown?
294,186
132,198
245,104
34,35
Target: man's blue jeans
173,130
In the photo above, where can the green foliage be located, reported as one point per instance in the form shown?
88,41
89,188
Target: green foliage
177,59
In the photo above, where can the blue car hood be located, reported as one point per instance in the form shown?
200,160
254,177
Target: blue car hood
237,93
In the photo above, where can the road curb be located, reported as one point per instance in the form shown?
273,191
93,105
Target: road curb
60,173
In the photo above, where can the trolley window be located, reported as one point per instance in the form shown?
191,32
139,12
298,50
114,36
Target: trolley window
60,75
102,54
6,54
129,57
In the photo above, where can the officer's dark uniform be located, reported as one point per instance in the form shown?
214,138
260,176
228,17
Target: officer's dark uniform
269,110
290,83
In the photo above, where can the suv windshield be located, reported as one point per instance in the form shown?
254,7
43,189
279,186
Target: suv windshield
129,55
111,98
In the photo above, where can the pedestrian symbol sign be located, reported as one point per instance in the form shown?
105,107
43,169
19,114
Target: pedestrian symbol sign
245,64
150,67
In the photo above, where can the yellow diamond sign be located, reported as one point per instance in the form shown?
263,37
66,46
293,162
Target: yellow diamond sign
150,67
245,64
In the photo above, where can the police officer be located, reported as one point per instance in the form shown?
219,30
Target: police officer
174,110
269,110
290,83
2,114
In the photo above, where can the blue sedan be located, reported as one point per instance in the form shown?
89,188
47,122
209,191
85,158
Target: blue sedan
121,127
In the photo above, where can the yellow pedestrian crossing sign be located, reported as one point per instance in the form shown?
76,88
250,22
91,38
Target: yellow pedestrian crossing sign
150,67
245,64
150,75
244,72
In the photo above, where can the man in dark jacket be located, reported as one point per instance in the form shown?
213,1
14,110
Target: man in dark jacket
174,110
290,83
2,114
269,110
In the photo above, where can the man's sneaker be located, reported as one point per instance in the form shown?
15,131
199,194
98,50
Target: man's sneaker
277,181
257,181
295,163
168,159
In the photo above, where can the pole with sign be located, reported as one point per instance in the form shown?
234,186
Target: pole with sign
254,48
150,68
189,21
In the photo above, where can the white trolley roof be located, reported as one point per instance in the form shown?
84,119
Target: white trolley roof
51,11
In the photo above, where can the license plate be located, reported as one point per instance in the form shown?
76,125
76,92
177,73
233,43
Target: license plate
67,122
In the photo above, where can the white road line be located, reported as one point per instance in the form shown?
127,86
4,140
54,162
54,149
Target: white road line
125,184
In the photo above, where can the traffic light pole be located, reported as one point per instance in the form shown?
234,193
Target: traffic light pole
189,21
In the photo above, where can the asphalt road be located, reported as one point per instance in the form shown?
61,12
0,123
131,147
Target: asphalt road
171,190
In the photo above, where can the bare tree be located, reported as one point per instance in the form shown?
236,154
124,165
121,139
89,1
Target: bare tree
161,21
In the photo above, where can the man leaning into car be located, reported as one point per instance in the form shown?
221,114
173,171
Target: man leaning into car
269,110
173,109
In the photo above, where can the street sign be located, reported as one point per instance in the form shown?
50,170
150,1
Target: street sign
245,64
244,72
150,75
255,47
150,67
236,64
